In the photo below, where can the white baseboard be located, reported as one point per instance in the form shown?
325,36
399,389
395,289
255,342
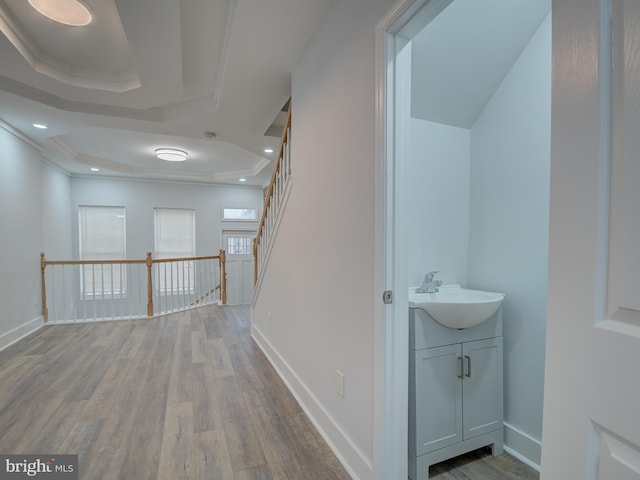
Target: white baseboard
12,336
522,446
350,456
516,442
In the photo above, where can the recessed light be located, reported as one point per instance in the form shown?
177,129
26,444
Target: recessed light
268,150
94,169
67,12
242,179
171,154
40,126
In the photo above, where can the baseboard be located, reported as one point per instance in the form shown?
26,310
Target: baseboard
12,336
522,446
517,443
350,456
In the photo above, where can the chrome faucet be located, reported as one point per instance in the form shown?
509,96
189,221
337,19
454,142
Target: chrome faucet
429,285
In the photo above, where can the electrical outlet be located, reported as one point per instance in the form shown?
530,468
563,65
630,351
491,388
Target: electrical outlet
340,383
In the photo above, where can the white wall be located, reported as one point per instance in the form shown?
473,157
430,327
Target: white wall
508,237
30,207
57,220
140,198
437,175
314,314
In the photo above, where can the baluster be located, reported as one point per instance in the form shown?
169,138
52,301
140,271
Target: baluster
179,287
64,294
112,291
76,290
149,263
53,293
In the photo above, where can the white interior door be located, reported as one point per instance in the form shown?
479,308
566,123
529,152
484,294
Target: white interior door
591,424
238,245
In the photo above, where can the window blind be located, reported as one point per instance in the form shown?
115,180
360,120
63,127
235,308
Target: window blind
102,237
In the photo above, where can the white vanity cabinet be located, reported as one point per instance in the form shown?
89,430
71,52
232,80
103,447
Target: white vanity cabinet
455,390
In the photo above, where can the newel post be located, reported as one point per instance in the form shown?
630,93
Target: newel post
149,263
223,277
255,261
45,311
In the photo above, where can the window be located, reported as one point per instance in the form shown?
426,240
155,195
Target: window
102,237
175,237
240,214
239,245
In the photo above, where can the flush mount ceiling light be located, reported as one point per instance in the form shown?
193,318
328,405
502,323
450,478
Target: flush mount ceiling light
41,126
171,154
268,150
67,12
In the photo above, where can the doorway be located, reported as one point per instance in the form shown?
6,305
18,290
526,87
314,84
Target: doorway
462,198
238,244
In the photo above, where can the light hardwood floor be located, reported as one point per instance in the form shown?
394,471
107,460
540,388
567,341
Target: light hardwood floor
480,465
186,396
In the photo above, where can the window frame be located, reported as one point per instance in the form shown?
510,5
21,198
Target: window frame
232,219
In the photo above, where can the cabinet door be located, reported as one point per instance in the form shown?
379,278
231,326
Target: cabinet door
438,391
482,387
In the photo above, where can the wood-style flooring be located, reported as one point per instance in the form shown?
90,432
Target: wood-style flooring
481,465
185,396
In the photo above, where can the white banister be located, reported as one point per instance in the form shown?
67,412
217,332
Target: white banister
88,290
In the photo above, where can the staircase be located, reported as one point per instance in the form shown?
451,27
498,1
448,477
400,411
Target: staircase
275,200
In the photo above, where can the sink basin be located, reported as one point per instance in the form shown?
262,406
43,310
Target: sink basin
457,307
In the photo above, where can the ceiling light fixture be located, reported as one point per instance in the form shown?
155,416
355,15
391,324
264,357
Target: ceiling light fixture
242,179
67,12
95,169
268,150
40,126
171,154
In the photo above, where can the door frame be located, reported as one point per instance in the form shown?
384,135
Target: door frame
391,329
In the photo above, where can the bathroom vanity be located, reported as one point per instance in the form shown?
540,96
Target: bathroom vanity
455,390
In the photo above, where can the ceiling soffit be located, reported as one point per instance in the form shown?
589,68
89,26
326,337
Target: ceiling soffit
134,58
59,51
221,66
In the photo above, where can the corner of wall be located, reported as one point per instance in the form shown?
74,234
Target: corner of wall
12,336
522,446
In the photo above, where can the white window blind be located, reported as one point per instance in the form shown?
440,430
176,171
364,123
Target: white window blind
102,237
175,237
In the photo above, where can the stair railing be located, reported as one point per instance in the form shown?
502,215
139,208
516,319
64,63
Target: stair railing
87,290
274,200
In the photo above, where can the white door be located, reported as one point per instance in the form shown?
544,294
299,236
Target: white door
238,245
591,426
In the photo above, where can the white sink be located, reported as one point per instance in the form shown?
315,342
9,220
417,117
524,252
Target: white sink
457,307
